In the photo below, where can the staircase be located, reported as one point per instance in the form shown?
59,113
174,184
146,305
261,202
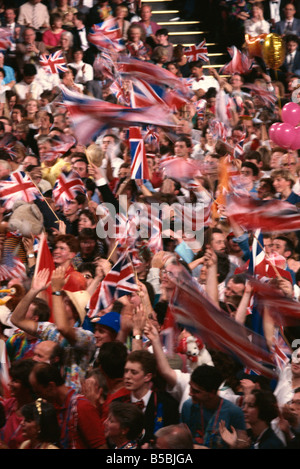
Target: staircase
186,33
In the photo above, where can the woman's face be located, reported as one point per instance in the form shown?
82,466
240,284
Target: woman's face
65,43
112,428
32,106
135,35
30,429
250,410
84,222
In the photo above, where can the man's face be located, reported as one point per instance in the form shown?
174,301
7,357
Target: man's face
197,72
9,15
29,36
181,150
162,39
42,351
276,159
233,289
106,142
70,208
134,376
81,168
198,394
146,13
62,253
292,46
279,246
236,82
289,11
295,404
102,335
236,136
247,175
268,244
218,243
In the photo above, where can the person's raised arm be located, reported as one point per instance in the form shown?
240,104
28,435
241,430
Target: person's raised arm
58,308
18,318
163,366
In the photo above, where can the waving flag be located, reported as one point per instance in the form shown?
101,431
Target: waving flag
44,260
18,186
267,97
253,214
12,267
119,92
59,146
218,129
145,94
118,282
5,38
67,187
133,68
125,231
194,310
196,52
92,116
107,35
240,62
139,164
53,63
238,150
179,168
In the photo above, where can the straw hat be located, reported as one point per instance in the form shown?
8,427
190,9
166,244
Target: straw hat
80,300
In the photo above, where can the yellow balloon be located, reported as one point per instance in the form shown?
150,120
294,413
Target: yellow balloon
273,51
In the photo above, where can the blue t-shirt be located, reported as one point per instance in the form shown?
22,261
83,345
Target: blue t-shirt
204,423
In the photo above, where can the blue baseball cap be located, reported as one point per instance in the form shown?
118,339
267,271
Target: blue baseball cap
111,319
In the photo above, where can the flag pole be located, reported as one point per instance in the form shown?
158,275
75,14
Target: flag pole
58,220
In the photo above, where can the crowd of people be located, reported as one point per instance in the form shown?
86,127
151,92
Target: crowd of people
94,353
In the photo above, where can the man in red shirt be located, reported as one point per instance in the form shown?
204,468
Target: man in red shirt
79,421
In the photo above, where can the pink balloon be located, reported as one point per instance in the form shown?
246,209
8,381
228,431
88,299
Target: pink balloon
285,135
296,142
290,114
272,131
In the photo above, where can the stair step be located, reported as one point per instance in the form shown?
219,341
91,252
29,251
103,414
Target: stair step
180,27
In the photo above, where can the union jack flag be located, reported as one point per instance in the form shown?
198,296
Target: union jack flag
118,91
238,150
218,129
59,146
53,63
125,231
240,62
92,116
139,164
152,73
107,35
18,186
67,187
150,134
197,52
267,97
194,310
145,94
118,282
